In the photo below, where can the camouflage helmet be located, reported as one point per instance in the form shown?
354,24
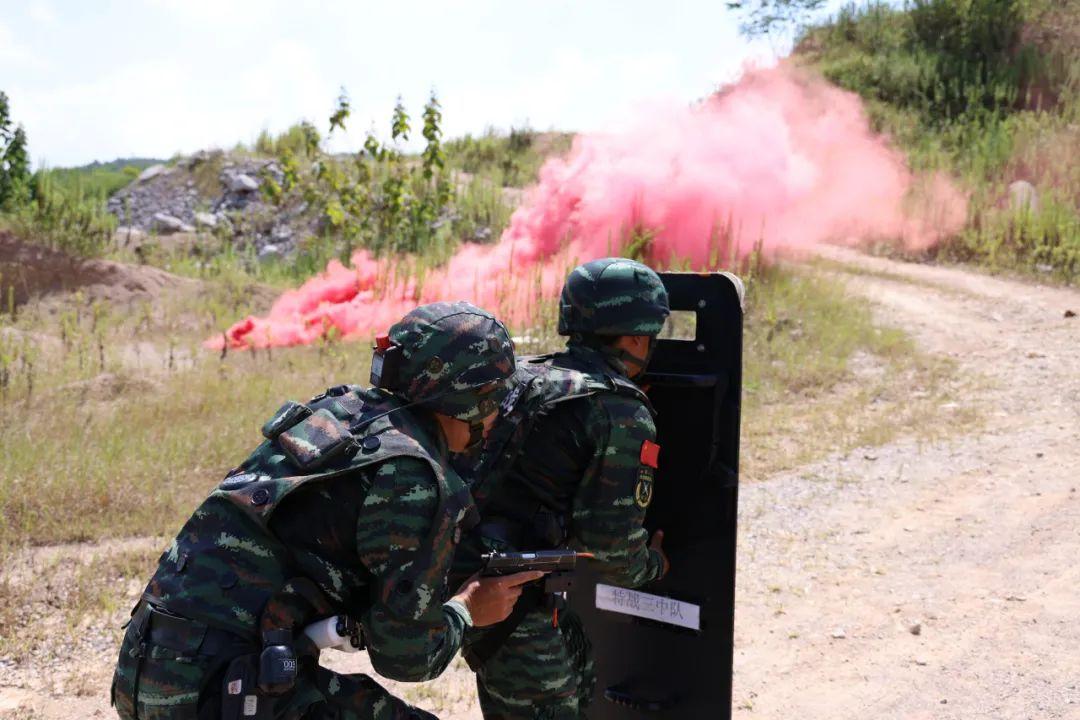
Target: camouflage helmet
613,296
442,355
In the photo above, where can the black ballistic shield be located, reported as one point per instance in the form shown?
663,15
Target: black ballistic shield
664,650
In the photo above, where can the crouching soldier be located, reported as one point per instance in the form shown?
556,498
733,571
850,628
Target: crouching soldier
347,507
569,463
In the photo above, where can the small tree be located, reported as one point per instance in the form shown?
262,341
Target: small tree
764,17
14,160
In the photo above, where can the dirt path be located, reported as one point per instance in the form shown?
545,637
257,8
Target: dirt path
939,581
905,581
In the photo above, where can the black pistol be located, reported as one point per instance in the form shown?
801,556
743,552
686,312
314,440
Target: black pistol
558,564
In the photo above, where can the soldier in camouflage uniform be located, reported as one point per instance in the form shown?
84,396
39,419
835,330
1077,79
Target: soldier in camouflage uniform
347,507
569,463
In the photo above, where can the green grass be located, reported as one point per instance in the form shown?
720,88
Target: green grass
985,90
115,422
512,159
99,179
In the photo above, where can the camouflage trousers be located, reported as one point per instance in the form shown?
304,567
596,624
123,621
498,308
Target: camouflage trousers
155,682
541,672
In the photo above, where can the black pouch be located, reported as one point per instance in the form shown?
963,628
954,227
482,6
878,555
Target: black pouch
240,698
316,440
174,671
287,415
125,683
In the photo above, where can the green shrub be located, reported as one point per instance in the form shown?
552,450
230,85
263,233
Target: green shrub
977,88
70,220
513,159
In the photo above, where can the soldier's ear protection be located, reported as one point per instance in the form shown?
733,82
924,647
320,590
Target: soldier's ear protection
386,363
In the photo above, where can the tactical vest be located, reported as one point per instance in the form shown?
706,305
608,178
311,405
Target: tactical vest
225,564
539,386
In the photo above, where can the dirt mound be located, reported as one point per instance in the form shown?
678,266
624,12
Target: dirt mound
28,271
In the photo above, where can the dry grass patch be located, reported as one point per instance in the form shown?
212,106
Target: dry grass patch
115,421
64,599
819,377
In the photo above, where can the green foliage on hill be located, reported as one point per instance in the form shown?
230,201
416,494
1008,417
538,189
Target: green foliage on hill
62,209
512,159
988,90
14,159
98,179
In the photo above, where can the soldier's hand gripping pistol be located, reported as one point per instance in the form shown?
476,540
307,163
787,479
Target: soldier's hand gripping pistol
558,564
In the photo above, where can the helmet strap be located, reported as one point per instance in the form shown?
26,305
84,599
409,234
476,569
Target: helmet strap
476,436
602,344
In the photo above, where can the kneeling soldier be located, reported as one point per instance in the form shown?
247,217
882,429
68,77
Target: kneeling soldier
348,507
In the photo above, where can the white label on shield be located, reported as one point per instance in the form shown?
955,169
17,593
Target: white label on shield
652,607
251,705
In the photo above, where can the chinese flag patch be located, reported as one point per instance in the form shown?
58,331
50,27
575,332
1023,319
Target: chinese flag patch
650,454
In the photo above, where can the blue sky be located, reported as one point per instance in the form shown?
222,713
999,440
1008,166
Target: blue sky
95,80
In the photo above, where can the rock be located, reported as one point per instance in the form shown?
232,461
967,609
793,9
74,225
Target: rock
274,171
207,220
1070,313
915,628
838,634
1023,194
125,236
270,252
168,224
151,172
241,183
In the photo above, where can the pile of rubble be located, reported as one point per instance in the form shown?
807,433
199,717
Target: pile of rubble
212,192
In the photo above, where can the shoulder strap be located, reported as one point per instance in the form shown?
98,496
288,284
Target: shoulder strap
319,444
538,386
626,388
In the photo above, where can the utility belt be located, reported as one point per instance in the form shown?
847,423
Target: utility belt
250,674
165,629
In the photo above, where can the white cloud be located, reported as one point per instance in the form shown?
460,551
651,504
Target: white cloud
216,12
187,74
159,107
13,54
41,11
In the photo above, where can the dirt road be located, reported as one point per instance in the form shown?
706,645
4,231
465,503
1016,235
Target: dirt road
907,581
939,581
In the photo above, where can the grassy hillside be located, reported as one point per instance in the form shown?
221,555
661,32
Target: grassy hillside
99,179
512,159
988,90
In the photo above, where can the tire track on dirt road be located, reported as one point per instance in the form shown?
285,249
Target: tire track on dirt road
929,580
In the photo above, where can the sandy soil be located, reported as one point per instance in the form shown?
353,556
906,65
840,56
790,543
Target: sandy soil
35,271
906,581
938,581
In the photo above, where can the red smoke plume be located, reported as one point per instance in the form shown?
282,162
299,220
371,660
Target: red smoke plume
779,160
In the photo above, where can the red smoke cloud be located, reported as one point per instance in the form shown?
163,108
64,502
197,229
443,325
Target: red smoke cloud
780,160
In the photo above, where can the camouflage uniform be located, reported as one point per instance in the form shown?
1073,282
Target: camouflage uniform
567,464
347,507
